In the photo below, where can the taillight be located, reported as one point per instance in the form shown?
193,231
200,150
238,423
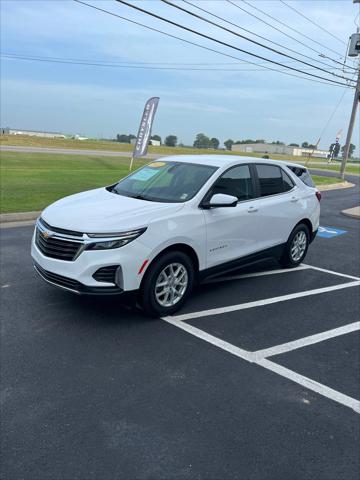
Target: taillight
318,195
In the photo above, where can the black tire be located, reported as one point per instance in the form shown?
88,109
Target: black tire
287,259
147,298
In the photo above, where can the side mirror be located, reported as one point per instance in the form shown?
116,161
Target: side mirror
221,200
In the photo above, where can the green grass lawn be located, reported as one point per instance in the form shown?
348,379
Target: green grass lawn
32,181
350,169
319,180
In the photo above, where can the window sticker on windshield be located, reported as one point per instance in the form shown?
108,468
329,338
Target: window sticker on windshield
157,164
184,196
144,174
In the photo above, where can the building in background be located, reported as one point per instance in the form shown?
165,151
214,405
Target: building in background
154,143
271,148
31,133
79,137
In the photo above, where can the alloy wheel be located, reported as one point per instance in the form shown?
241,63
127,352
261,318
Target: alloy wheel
171,284
298,246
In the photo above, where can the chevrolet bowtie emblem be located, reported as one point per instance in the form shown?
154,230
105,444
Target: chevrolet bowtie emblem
45,234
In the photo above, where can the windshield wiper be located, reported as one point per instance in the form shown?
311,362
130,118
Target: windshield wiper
138,197
141,197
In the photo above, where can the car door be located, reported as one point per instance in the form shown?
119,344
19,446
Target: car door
277,205
232,232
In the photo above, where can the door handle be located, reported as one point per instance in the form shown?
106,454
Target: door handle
252,209
294,199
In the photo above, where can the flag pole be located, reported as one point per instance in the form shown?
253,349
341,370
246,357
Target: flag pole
144,133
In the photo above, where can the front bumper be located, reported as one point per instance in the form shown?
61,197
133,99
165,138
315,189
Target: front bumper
74,286
78,275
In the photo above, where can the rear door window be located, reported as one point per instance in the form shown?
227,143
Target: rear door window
272,181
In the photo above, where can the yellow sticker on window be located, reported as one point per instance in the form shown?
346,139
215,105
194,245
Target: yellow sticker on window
157,164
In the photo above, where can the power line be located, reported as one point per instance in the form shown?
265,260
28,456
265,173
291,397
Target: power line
129,65
259,36
291,28
189,42
129,62
281,31
312,21
333,112
250,40
171,22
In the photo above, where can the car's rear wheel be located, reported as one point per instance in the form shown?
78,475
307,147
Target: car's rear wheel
167,284
296,246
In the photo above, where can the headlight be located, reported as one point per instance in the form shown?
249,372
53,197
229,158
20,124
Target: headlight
112,240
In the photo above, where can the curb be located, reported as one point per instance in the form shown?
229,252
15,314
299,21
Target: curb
18,217
335,186
352,212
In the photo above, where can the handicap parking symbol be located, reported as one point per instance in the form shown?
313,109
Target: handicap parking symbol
330,232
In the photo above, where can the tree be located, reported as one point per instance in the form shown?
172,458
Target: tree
293,145
312,146
202,141
171,141
228,144
156,137
123,138
305,145
215,143
277,143
249,140
351,149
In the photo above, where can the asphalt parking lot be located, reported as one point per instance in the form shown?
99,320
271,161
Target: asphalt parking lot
256,378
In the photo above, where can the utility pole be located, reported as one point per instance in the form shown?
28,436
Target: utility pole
354,51
351,127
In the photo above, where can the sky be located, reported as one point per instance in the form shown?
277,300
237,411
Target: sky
236,101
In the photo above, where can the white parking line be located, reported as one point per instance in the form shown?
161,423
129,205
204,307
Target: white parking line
259,357
304,342
260,303
269,365
311,384
228,347
258,274
332,272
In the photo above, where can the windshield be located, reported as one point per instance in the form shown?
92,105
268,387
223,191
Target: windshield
165,181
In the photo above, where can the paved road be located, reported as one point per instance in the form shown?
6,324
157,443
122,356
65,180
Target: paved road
72,151
92,390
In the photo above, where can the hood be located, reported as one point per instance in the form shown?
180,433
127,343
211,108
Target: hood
100,211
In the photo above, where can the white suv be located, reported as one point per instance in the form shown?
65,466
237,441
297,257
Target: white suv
170,224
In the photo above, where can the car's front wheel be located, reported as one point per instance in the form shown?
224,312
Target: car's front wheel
296,246
167,284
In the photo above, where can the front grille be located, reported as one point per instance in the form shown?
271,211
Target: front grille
60,230
59,279
106,274
56,247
